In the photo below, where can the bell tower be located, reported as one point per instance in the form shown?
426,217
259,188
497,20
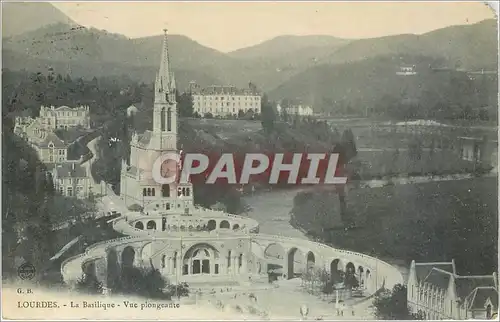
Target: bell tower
165,105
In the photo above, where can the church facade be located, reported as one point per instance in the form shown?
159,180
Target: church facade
137,186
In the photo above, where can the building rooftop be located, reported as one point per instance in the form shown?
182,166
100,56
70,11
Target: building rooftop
424,269
224,90
480,296
439,278
466,284
48,138
70,170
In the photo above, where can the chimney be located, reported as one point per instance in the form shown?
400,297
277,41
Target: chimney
73,166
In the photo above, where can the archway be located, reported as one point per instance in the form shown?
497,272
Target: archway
350,280
201,259
225,224
113,269
89,268
212,224
236,226
295,263
139,225
310,260
275,254
336,271
163,223
128,257
151,225
350,268
368,276
361,277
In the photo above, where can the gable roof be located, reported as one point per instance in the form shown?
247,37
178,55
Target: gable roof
70,170
422,270
478,299
439,278
50,137
465,285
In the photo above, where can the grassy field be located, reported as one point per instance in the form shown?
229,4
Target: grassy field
427,222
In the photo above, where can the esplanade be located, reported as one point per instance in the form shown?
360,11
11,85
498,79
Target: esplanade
223,254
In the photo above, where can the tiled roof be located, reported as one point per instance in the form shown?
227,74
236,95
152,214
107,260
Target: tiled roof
70,170
478,299
224,90
439,278
464,285
50,138
423,269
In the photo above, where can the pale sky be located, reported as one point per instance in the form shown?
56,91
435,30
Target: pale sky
227,26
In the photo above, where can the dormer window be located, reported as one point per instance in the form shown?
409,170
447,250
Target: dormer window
51,145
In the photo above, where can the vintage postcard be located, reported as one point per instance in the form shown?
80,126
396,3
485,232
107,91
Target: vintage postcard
249,160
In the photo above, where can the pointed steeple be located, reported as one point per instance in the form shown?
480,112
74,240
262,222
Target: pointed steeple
164,72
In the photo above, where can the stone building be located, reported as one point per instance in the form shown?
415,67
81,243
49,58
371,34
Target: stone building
64,117
48,146
300,110
224,100
438,292
71,180
479,150
137,185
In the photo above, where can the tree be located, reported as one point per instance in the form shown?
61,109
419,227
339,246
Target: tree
268,115
393,305
185,104
89,284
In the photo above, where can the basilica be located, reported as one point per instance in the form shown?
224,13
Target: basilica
137,185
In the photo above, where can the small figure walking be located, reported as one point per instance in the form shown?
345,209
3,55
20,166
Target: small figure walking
304,311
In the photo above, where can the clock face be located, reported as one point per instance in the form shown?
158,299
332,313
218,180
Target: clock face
169,169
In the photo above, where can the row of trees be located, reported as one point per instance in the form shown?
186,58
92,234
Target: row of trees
327,283
140,281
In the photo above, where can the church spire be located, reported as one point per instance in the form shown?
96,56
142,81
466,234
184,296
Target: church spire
164,72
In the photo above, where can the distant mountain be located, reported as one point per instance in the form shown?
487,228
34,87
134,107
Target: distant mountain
284,45
20,17
362,71
90,52
465,46
275,64
80,68
363,84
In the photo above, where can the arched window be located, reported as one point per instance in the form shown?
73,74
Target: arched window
169,119
240,260
163,261
188,192
144,192
165,190
488,311
149,192
153,192
229,259
175,260
162,119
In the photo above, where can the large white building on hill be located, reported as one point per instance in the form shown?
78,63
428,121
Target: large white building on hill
224,101
137,186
